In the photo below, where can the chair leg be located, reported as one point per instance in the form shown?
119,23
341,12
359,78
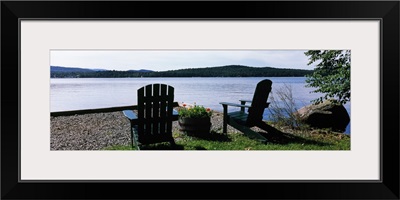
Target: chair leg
134,138
131,135
268,128
248,132
225,119
172,142
225,127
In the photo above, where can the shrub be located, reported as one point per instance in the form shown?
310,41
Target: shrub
194,111
283,107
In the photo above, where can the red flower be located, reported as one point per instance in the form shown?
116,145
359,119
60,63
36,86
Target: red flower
208,109
184,105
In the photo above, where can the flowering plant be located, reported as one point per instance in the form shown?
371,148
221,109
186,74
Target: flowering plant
194,111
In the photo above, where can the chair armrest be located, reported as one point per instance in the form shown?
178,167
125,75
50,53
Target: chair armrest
130,115
235,104
245,101
250,101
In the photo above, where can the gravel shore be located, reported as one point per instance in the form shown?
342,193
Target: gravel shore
97,131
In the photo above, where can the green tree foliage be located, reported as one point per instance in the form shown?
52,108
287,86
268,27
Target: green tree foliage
331,75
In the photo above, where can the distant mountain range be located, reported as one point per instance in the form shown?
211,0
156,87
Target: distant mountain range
75,69
219,71
140,70
70,69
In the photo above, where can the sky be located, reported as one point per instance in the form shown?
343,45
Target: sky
162,60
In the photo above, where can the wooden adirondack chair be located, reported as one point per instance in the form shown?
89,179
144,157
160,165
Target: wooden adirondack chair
244,121
153,122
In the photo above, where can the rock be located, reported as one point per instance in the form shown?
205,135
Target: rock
325,115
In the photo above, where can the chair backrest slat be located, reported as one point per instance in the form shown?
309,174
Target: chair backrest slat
170,101
148,106
259,102
156,108
163,112
141,108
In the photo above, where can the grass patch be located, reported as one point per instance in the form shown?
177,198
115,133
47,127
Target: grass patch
119,147
295,140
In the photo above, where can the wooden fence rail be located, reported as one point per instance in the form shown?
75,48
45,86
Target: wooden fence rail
97,110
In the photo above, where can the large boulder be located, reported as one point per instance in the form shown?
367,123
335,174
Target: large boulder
325,115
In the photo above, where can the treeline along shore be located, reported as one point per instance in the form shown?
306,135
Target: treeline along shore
222,71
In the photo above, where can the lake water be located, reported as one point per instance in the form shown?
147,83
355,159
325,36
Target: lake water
84,93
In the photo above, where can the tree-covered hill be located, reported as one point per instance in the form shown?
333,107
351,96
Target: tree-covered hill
59,69
234,71
221,71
